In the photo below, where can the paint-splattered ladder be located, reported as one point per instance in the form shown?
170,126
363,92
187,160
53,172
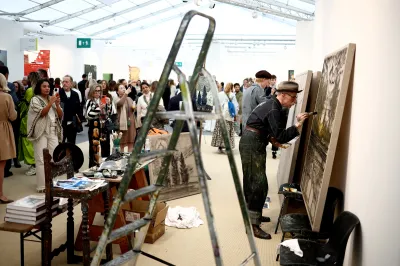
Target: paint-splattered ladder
108,236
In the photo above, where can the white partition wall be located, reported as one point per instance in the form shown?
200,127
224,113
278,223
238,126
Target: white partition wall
366,165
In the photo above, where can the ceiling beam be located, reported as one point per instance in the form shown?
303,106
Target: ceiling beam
280,19
74,15
113,15
180,15
282,5
311,2
147,15
269,9
41,6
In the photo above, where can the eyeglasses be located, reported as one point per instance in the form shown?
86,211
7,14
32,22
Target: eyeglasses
293,97
97,91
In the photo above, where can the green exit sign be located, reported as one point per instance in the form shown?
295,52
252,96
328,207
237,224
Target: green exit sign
83,43
178,64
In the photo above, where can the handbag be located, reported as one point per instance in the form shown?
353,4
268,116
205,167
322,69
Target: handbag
77,124
112,123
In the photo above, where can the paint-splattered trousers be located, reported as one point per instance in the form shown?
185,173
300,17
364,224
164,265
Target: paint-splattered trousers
252,148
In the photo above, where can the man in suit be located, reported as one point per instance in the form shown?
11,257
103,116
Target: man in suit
7,172
71,105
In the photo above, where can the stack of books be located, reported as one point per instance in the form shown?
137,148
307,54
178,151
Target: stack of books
29,210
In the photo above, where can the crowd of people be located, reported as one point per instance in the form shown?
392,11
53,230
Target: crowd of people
40,112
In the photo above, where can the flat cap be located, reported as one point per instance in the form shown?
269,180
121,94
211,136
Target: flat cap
263,74
288,86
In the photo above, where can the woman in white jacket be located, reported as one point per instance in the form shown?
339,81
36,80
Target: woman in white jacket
225,97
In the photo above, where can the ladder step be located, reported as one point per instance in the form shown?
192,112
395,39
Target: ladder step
127,256
181,115
131,195
154,155
127,229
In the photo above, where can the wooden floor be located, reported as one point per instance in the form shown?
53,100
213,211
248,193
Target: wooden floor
178,246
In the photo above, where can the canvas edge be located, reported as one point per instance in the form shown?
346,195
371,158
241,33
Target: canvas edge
296,145
330,157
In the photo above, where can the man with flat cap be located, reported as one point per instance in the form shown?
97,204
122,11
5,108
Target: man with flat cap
265,125
255,94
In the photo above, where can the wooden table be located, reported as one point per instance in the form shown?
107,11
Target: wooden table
95,205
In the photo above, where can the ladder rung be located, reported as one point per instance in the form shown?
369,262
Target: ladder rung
127,229
181,115
154,154
127,256
131,195
247,260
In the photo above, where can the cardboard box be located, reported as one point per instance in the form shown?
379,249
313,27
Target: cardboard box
137,209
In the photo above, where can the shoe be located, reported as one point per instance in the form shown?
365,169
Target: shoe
259,233
17,164
8,174
5,201
43,190
273,155
265,219
31,171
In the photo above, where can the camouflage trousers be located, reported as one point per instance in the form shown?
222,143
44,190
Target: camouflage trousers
252,148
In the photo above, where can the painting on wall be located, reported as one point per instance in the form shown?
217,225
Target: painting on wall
182,179
35,60
291,75
91,69
287,162
108,76
325,129
3,58
134,73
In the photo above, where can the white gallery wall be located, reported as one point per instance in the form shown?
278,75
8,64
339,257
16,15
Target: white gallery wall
11,32
366,165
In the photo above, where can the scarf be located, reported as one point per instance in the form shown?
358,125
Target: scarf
123,119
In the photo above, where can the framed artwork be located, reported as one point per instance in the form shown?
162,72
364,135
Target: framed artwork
34,60
182,179
3,58
108,76
91,69
291,75
134,73
325,129
287,161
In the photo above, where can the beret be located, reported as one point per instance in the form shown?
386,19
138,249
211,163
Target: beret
263,74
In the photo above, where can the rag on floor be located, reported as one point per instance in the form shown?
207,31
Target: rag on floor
181,217
293,245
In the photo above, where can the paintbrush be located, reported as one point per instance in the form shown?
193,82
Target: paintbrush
312,113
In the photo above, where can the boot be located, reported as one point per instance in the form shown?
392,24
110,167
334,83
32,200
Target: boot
17,164
265,219
259,233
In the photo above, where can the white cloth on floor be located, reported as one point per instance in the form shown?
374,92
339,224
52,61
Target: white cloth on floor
293,245
181,217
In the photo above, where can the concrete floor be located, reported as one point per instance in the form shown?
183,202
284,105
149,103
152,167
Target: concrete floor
177,246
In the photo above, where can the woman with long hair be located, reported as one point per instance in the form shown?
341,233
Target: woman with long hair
95,106
25,146
7,147
127,125
225,97
143,103
19,91
44,126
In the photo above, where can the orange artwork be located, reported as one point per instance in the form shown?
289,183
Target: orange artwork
42,61
134,73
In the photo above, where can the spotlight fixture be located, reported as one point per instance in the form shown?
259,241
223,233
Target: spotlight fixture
212,4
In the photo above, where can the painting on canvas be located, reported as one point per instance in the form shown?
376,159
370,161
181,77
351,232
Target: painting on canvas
91,69
287,161
182,179
204,98
325,131
3,58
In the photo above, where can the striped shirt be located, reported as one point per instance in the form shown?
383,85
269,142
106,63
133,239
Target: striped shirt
93,109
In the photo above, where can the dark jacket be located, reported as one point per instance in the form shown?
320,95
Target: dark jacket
70,106
13,93
174,106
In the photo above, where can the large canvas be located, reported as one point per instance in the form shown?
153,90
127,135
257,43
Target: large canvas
287,161
325,131
204,98
306,131
182,179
